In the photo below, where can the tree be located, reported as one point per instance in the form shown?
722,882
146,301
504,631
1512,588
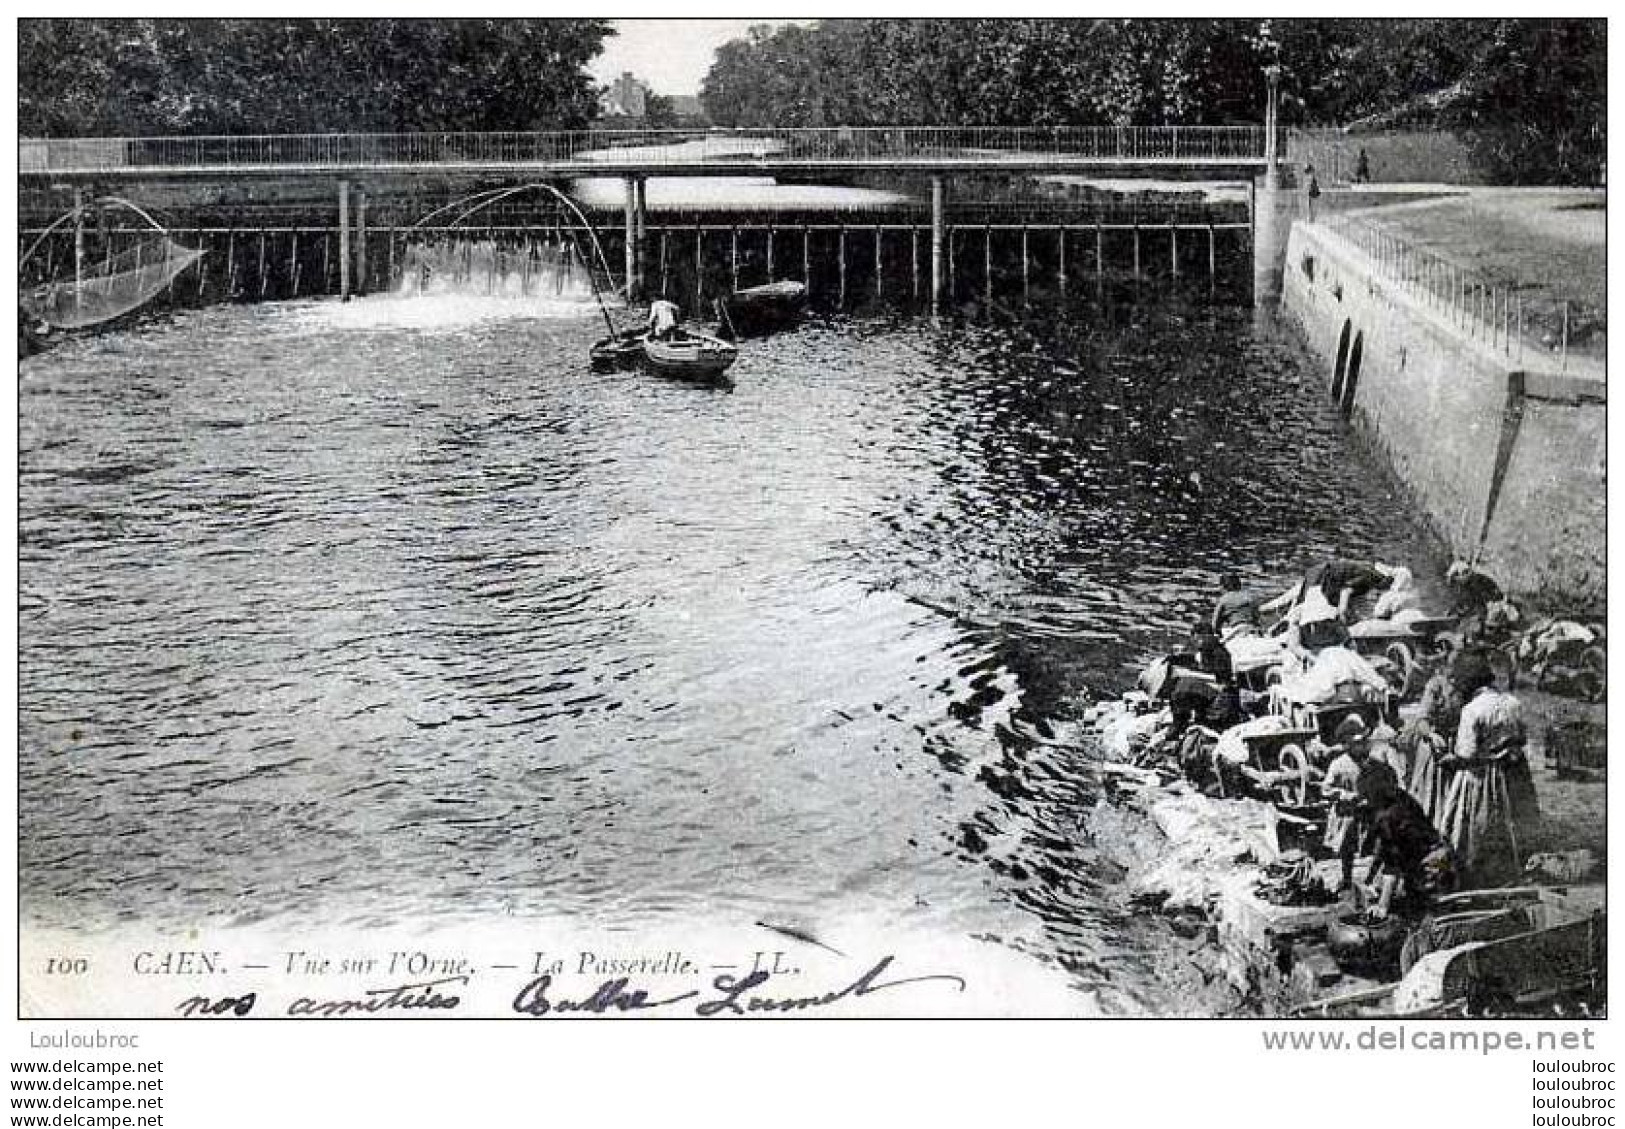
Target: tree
90,77
659,112
1529,94
1533,101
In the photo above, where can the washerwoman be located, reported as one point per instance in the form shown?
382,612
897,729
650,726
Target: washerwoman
1491,797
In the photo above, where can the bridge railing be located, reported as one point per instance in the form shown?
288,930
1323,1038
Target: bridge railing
651,148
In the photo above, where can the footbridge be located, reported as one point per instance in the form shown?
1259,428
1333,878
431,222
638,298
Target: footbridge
1209,152
354,162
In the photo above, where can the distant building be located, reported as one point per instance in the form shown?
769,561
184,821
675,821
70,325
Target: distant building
627,97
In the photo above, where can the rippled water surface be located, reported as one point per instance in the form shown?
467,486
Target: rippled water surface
393,611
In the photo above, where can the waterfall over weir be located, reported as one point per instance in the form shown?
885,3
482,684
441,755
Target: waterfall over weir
475,267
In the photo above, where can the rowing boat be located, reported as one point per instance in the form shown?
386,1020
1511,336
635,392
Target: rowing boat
693,356
621,352
763,309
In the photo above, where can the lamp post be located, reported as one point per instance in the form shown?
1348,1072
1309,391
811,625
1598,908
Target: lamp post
1272,106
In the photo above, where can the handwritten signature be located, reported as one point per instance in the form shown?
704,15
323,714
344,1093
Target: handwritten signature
733,995
727,995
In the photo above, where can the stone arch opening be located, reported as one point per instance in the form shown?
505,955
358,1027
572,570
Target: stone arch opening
1342,361
1351,378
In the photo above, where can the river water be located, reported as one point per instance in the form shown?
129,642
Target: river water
391,611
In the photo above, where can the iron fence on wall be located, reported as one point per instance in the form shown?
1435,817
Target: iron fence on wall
1503,316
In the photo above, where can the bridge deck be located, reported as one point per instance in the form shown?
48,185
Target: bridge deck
1161,151
1154,167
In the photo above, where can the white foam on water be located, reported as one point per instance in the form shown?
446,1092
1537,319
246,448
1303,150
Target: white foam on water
431,313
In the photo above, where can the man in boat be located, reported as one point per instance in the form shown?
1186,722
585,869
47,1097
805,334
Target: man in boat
664,319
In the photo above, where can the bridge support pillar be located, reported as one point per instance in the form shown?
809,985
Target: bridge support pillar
642,234
1272,222
636,225
630,216
344,240
938,233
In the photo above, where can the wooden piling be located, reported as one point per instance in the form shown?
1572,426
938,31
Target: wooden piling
699,267
1026,269
939,281
293,262
987,264
1060,260
841,255
344,240
361,241
879,271
733,259
262,264
327,263
1212,261
202,264
914,262
78,248
806,261
1100,262
770,277
665,265
231,264
1173,248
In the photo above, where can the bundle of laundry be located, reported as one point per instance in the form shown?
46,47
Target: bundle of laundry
1331,670
1255,652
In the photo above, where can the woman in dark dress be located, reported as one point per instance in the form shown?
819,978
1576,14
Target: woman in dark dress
1411,864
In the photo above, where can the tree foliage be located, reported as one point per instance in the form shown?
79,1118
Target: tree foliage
1543,78
1544,84
185,76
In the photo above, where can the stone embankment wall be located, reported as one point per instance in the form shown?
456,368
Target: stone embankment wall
1505,456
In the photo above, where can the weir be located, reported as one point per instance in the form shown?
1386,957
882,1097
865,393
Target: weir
488,268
